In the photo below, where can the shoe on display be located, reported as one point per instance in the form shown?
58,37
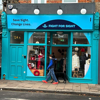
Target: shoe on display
55,83
44,81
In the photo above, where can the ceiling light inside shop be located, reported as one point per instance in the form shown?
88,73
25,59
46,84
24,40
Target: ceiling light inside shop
83,11
36,11
14,11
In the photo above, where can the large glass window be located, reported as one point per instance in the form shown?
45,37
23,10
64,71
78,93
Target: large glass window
17,37
81,57
37,37
70,1
81,38
38,1
36,60
60,39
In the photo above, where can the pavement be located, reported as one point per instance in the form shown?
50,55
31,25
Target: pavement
38,86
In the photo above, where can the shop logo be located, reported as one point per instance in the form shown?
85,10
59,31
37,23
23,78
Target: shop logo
59,24
44,26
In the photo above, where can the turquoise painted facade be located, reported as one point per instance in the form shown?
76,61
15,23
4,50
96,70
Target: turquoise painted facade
14,65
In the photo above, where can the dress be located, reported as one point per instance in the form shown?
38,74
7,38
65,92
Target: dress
39,61
75,62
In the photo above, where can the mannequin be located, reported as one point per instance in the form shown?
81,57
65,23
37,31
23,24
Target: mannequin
39,60
75,62
87,56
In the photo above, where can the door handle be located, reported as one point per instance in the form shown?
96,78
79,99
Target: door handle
22,66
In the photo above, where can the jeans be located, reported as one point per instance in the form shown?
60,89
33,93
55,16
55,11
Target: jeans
52,74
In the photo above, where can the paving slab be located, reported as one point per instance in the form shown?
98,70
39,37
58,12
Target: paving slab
76,87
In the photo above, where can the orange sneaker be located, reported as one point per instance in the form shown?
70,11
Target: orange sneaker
44,81
55,83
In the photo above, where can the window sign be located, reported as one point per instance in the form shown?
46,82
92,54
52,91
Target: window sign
38,1
69,1
17,37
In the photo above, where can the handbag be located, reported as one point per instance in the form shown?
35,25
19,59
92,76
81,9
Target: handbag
29,66
32,58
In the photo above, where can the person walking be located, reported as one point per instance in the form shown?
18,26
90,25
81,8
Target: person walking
51,71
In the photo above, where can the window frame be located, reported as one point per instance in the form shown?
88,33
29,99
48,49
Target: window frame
69,2
39,1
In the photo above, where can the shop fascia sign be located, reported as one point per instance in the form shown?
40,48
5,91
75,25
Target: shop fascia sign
47,22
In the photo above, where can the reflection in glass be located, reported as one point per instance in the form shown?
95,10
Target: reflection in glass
79,38
37,37
81,57
60,39
48,38
36,57
17,37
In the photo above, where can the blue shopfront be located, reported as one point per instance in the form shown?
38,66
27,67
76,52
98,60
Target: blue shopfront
28,39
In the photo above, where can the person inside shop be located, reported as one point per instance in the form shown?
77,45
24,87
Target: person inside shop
51,71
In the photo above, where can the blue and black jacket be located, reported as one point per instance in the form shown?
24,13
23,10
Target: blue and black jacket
51,64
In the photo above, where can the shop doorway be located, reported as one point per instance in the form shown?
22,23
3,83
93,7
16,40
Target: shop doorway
59,54
16,55
61,62
16,62
58,46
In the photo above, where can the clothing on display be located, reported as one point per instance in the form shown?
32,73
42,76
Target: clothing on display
39,60
36,51
87,56
82,61
75,62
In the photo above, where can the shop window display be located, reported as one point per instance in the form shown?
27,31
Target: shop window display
80,38
37,37
81,58
36,56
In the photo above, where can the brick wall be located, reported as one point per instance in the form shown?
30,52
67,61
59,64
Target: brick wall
97,0
24,1
97,7
54,1
84,1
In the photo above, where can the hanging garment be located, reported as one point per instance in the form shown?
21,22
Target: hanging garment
87,56
39,61
75,62
82,61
